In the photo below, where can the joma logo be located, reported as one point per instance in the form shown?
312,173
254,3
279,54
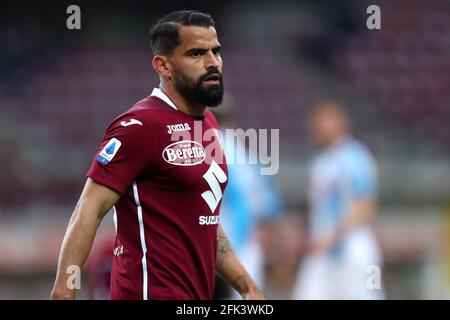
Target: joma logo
178,127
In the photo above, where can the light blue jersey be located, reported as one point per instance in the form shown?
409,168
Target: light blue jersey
248,198
339,175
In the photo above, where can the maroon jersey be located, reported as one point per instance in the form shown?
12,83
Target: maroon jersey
167,216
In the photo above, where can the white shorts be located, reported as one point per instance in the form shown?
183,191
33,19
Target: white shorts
356,275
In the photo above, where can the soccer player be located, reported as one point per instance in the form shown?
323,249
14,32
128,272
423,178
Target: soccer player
166,195
343,184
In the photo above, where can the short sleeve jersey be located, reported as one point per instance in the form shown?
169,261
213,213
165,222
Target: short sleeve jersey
171,173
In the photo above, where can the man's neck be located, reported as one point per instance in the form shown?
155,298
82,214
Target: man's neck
337,141
191,108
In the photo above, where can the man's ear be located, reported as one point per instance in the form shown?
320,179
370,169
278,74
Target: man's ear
162,66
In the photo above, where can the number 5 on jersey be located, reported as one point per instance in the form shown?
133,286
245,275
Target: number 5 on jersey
214,176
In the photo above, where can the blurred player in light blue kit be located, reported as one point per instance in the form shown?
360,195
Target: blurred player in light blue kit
250,198
341,249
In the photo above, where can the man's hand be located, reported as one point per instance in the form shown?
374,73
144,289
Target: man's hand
62,294
254,294
361,212
323,244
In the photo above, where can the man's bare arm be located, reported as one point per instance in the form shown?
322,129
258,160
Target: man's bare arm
361,212
95,201
229,267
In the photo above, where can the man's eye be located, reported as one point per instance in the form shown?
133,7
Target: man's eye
195,54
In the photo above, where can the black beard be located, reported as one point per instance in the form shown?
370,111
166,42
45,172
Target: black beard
211,96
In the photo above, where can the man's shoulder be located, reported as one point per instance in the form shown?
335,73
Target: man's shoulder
147,111
151,103
149,107
358,149
142,116
358,156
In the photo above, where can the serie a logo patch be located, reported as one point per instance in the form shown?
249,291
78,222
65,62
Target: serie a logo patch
109,151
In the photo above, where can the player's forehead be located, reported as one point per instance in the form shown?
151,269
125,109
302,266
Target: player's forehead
197,37
328,110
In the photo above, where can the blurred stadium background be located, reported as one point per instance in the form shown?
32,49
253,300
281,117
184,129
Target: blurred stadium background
60,88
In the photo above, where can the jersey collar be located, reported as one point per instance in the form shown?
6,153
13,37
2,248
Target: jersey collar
157,92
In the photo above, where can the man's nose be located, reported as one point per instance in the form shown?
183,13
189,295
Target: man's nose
212,61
